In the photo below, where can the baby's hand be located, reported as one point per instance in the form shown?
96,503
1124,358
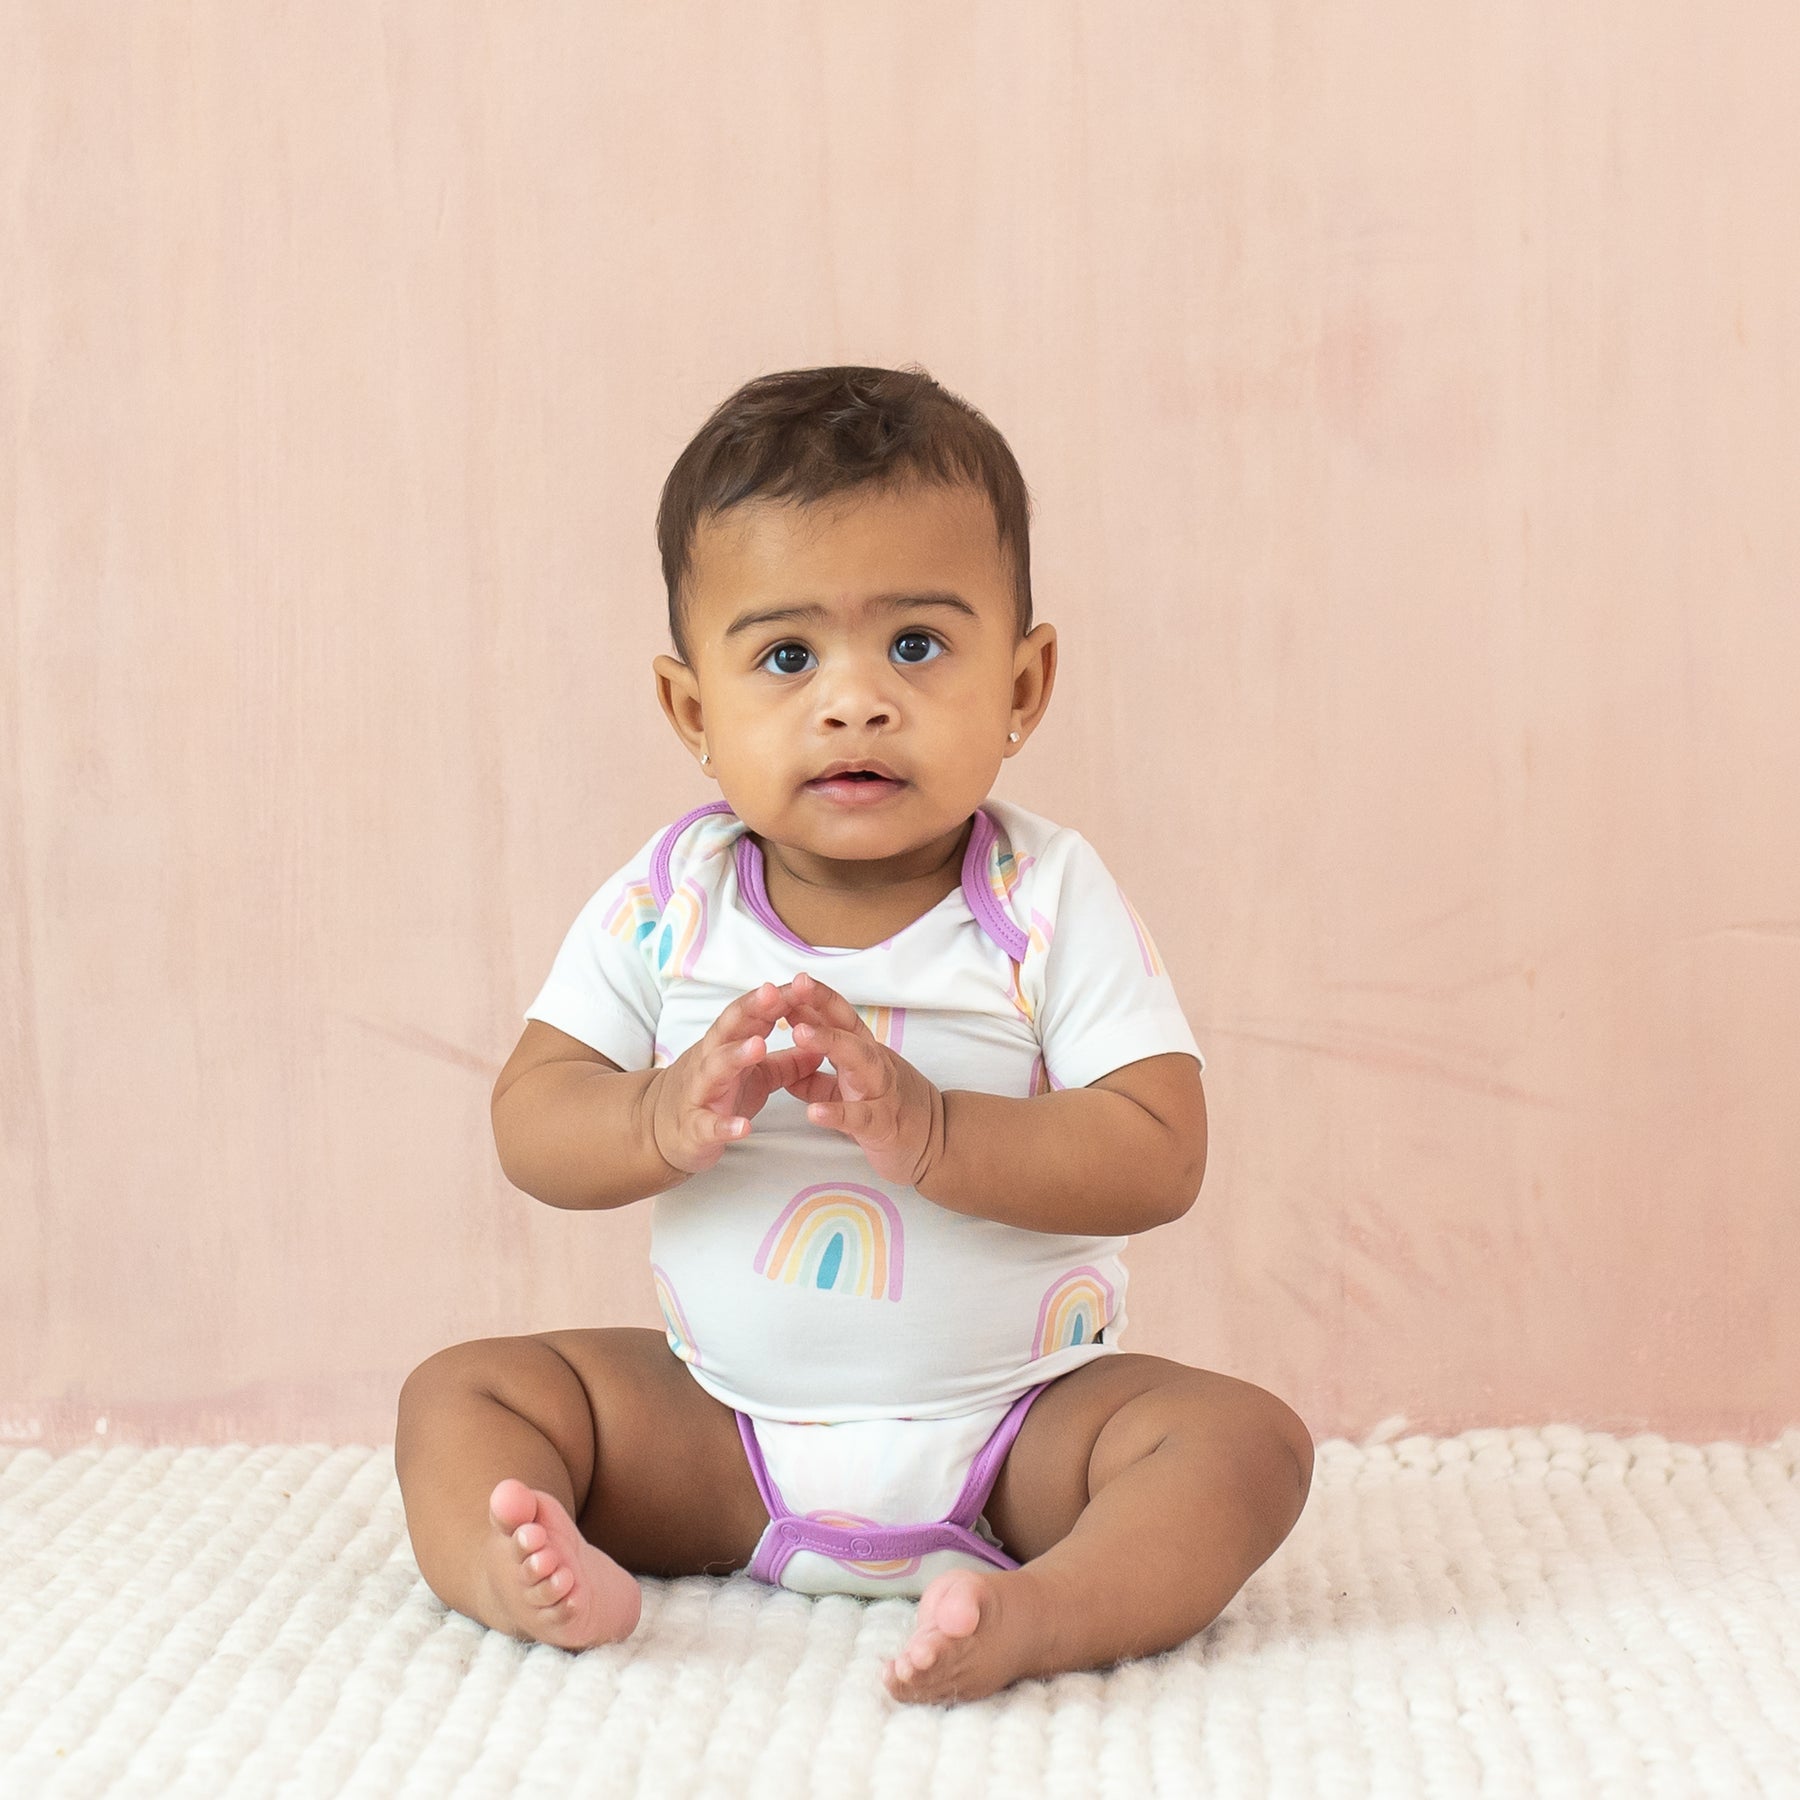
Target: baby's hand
877,1096
708,1095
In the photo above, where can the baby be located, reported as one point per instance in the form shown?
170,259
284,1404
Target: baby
902,1067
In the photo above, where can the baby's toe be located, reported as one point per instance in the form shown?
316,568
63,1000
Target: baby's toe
512,1504
919,1654
554,1587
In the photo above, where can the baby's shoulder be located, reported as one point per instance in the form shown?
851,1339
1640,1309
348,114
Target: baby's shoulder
634,897
1030,856
691,850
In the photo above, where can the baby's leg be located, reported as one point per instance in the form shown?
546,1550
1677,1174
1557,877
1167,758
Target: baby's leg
1139,1495
538,1473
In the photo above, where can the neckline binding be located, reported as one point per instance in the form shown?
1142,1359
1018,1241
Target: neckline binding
976,886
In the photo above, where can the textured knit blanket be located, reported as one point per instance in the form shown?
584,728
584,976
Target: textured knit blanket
1514,1612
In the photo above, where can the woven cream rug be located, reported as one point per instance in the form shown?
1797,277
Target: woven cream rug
1507,1612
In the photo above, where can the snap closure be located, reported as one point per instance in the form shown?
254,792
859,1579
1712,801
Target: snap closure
861,1547
788,1530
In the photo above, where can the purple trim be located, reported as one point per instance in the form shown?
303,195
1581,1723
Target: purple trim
771,1497
660,884
976,888
790,1533
979,892
750,885
985,1469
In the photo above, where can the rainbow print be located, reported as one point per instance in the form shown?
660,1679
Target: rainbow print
896,1569
1146,947
1041,1080
632,915
680,1335
887,1024
838,1236
683,931
1021,1005
1038,944
1004,870
1075,1311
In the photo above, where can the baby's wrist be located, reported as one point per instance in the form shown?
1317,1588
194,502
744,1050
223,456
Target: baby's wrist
645,1130
935,1137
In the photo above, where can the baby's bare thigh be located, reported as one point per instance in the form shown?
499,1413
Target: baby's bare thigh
1091,1425
672,1492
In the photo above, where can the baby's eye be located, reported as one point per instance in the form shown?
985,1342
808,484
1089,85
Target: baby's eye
915,647
786,650
915,638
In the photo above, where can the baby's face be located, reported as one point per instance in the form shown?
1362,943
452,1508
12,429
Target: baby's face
896,643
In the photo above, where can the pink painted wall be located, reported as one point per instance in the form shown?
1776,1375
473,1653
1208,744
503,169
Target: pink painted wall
1409,395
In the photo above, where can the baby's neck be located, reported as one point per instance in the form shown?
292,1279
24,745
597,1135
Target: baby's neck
831,916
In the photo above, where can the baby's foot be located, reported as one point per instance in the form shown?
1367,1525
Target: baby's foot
975,1632
551,1584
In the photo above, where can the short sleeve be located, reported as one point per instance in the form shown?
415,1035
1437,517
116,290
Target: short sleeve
1103,996
601,987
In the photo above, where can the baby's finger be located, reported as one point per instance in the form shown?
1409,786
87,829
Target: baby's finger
843,1048
818,1086
828,1113
774,1073
856,1118
711,1127
785,1066
722,1065
749,1015
825,1003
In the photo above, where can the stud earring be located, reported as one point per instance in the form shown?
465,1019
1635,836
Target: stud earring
1013,737
705,758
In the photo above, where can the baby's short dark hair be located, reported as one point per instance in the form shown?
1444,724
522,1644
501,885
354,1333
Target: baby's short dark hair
806,434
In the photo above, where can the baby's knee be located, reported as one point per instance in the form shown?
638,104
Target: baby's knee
456,1366
1228,1418
1275,1446
522,1375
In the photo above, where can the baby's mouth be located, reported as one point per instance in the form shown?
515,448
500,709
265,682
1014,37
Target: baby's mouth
869,778
854,788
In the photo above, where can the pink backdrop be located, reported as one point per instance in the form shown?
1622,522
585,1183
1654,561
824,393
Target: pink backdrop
1409,395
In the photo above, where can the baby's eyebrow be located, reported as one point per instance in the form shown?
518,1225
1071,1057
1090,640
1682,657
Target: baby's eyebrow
812,611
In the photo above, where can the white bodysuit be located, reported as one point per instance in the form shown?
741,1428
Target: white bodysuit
798,1287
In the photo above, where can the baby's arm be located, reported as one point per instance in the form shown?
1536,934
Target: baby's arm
571,1126
1121,1155
578,1132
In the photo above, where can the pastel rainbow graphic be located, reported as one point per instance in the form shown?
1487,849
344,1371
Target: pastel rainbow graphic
1146,947
1021,1005
887,1024
1037,944
680,1335
632,915
1042,1081
895,1569
838,1236
1004,870
683,930
1074,1311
